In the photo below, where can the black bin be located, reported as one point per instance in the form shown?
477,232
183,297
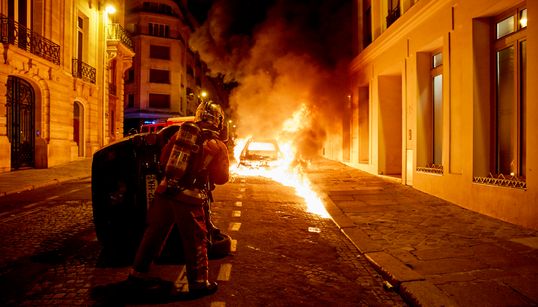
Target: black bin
124,175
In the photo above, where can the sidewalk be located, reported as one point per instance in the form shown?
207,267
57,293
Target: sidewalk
29,179
432,252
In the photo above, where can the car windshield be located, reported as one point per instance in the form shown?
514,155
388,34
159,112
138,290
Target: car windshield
261,150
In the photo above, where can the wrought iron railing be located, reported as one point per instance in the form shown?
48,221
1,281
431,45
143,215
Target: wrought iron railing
116,32
433,168
13,33
83,71
502,180
393,14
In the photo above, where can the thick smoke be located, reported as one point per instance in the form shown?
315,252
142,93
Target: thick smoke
293,53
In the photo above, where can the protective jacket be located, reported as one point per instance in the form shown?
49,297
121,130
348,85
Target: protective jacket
210,166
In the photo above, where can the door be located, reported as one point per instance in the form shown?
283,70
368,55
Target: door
21,122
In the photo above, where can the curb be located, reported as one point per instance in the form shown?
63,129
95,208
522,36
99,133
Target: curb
31,187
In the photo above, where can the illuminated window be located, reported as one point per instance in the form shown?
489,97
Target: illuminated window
510,56
430,111
437,108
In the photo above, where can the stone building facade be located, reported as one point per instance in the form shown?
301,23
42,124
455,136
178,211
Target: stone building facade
442,99
61,84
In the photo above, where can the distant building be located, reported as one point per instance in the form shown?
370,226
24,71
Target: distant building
167,77
61,85
442,99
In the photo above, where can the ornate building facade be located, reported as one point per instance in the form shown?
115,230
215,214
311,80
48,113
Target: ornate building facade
442,99
61,80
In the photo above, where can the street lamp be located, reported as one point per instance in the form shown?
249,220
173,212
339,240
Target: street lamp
110,9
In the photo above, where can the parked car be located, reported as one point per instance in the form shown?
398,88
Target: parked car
260,153
124,177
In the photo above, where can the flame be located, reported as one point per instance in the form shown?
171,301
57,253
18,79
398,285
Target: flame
287,170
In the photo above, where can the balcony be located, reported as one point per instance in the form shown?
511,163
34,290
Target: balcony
13,33
83,71
115,32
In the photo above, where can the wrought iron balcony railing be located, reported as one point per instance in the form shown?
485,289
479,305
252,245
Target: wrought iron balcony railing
13,33
83,71
116,32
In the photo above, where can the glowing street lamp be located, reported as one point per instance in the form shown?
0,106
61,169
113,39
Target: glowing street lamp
110,9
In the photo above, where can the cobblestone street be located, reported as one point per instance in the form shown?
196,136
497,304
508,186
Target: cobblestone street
283,255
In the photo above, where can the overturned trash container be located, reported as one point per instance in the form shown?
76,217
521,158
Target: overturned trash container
124,177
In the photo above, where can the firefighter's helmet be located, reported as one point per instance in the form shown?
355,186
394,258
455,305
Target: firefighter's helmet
210,113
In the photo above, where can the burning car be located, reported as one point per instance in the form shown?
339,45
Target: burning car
260,153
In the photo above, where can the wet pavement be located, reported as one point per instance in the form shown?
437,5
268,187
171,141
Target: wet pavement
432,252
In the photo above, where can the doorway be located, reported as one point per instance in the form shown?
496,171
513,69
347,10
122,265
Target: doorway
21,122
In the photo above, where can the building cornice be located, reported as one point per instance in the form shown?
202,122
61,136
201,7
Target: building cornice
413,18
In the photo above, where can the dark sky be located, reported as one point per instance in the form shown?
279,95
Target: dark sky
247,13
283,53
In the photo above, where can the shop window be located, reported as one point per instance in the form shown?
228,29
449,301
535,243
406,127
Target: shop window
510,75
506,154
430,124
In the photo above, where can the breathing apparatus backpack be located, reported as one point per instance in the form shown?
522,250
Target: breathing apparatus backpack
187,147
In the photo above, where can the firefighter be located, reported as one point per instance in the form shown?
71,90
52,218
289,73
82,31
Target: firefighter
181,198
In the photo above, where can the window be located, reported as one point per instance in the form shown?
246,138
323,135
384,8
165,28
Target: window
159,101
437,101
81,38
159,52
158,29
364,124
510,55
430,117
159,76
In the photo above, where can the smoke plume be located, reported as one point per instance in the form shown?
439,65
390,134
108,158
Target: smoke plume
283,54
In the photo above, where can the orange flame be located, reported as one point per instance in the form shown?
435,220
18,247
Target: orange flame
285,170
